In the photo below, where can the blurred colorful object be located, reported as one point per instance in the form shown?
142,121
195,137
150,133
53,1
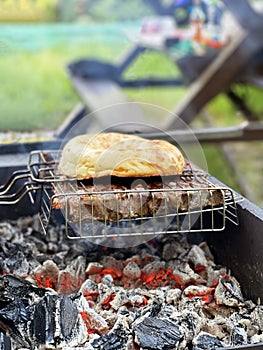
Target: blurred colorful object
27,10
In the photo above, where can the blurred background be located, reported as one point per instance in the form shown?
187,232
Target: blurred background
39,38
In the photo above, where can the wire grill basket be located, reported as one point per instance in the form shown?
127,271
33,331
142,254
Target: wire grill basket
189,202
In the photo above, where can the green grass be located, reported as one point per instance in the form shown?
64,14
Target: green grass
37,94
217,166
34,95
225,113
35,90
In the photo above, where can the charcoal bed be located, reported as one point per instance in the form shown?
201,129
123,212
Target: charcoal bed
238,246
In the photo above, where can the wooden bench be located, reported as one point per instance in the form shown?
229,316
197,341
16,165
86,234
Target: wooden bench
108,109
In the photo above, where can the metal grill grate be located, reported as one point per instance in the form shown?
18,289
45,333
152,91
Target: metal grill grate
189,205
189,202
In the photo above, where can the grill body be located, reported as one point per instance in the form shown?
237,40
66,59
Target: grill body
237,247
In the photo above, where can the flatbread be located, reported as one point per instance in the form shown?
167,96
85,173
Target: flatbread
115,154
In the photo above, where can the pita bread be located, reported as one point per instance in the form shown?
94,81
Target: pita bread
114,154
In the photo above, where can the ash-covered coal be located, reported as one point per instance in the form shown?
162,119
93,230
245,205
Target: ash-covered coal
36,317
164,294
156,333
205,341
116,339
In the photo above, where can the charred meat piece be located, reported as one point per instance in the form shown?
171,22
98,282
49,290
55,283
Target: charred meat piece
149,198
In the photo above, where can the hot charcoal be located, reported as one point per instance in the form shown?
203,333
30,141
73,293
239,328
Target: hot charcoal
114,340
206,342
163,294
157,333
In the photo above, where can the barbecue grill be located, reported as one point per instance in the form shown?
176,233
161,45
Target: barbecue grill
193,185
232,230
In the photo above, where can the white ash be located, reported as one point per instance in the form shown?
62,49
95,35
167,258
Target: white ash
132,271
71,278
107,280
238,336
257,316
93,268
173,296
89,289
228,292
122,292
213,274
257,338
197,257
48,270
